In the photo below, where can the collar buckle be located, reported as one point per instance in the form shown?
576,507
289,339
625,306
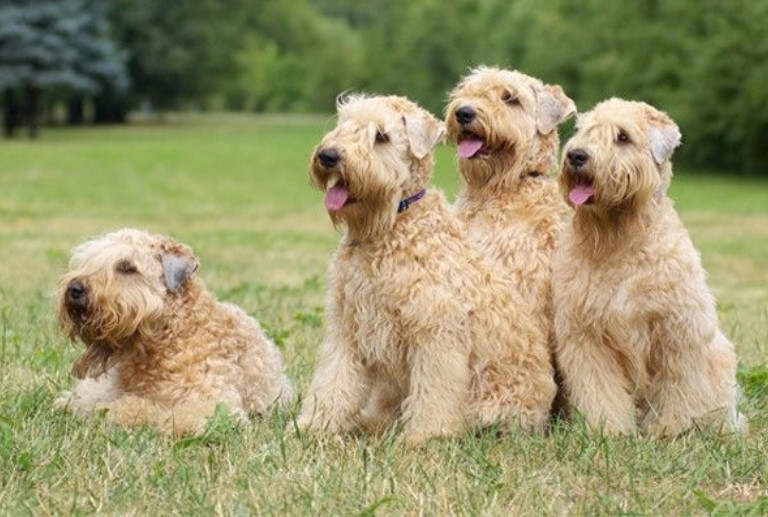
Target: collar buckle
407,202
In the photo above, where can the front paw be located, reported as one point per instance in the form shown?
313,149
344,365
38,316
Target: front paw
63,401
302,423
320,424
417,436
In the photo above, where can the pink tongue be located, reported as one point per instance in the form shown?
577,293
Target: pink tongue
580,194
336,197
468,148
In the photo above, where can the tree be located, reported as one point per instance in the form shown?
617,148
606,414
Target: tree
180,51
299,64
49,45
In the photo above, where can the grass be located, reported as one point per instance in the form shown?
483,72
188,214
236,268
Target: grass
236,189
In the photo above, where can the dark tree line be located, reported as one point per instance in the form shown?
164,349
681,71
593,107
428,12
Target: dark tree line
703,61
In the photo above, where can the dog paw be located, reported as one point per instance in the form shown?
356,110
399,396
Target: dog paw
415,436
63,401
316,424
419,440
304,423
741,425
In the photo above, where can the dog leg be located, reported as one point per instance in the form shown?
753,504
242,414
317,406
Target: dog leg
189,417
693,387
515,399
89,394
382,407
438,391
597,386
336,392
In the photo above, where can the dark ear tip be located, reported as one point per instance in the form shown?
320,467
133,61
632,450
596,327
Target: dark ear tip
177,269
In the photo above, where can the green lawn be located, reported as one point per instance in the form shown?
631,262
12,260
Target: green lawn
236,190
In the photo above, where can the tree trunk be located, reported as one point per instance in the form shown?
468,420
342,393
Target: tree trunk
33,110
76,111
10,113
110,108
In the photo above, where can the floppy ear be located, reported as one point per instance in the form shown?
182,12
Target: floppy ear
663,140
553,107
424,132
177,269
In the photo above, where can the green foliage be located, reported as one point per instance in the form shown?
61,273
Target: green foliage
298,65
180,51
703,62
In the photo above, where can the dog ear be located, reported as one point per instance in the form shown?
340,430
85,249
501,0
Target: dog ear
424,132
663,139
177,269
553,107
342,98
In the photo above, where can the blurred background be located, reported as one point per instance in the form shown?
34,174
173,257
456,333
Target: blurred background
75,62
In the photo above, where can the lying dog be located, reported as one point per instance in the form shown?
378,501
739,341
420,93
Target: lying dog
160,349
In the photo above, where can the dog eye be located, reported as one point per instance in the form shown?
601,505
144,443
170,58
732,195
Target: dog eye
510,99
126,267
622,137
381,137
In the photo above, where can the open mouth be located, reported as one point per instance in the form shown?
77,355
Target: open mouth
582,192
77,312
471,145
338,196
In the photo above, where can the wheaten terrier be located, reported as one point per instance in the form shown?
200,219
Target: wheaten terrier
505,126
160,349
414,324
638,337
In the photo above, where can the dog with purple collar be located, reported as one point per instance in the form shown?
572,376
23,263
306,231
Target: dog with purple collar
418,330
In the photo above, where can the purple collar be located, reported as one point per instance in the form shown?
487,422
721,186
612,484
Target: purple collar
405,203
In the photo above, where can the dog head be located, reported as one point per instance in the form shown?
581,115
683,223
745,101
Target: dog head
504,121
619,156
379,153
118,288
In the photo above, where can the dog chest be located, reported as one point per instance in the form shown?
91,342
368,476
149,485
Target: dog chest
390,306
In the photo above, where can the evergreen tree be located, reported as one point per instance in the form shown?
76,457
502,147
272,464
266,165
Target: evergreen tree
53,45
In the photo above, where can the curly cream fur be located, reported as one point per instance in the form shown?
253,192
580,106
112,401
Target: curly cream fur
415,323
160,356
638,338
512,207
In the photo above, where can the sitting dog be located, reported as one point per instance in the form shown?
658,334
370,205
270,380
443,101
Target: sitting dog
417,331
504,124
160,349
638,337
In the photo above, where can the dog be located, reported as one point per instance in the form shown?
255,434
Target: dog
160,349
639,343
504,124
418,333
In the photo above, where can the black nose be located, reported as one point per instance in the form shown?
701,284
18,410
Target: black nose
328,157
76,292
465,115
577,157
